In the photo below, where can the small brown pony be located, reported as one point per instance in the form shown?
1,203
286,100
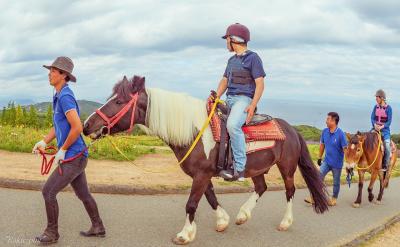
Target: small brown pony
177,118
365,155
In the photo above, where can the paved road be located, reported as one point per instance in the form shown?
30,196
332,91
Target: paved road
154,220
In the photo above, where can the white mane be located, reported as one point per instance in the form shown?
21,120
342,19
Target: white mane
176,118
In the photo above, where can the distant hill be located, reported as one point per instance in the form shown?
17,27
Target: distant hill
86,107
309,133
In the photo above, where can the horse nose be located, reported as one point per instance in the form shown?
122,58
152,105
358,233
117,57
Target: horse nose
85,128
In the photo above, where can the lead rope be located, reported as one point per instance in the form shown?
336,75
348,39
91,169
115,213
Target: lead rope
204,127
376,155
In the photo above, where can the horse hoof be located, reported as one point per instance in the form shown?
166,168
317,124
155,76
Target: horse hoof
180,241
282,228
221,228
378,202
356,205
371,198
241,221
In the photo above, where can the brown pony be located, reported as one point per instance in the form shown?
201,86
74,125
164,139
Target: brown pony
365,155
176,118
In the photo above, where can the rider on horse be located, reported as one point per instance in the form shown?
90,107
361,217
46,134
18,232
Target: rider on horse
381,118
244,80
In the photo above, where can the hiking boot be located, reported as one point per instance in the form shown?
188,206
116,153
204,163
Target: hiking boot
332,202
97,229
309,200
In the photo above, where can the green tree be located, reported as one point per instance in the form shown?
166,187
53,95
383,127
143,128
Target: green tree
12,113
18,116
49,117
33,117
25,116
3,115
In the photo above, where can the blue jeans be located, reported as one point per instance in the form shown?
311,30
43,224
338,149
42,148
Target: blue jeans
324,169
236,119
386,156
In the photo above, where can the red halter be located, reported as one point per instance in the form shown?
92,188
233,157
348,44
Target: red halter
115,119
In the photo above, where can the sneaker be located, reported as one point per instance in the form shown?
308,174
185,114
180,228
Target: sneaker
241,176
332,202
225,174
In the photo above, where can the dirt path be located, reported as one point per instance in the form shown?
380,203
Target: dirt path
165,171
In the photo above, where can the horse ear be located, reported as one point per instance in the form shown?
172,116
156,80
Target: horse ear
348,136
125,79
358,133
139,83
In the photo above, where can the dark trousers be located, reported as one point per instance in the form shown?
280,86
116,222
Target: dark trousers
74,174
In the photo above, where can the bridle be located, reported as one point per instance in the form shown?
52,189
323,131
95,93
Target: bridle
111,121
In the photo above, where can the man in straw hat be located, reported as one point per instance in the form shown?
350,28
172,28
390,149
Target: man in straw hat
71,148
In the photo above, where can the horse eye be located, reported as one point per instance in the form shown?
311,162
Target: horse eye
118,102
358,150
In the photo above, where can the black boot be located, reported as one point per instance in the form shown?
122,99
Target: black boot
50,235
97,229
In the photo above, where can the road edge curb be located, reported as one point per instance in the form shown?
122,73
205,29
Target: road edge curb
128,189
365,237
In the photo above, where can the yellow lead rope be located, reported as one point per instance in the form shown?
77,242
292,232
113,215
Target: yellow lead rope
376,155
205,125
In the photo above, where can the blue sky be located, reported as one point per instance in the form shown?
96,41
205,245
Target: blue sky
335,52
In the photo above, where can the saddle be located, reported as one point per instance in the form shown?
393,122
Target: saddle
261,133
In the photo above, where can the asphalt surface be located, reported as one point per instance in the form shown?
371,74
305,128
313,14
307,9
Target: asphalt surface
155,220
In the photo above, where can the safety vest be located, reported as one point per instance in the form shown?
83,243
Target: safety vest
240,80
380,114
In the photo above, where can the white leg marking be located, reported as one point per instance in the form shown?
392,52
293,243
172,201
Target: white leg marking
188,232
222,219
287,218
245,211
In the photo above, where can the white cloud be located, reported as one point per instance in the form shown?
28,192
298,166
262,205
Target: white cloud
321,50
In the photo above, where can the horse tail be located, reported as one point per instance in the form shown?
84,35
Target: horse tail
312,178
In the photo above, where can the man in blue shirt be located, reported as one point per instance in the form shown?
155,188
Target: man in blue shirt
243,80
333,141
71,149
381,119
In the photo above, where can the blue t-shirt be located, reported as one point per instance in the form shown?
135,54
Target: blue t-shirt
249,61
63,102
334,144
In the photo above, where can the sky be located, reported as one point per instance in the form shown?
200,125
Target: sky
333,52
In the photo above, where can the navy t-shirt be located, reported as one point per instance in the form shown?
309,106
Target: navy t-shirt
334,144
249,61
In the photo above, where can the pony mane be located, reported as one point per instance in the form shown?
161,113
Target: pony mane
369,142
175,117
